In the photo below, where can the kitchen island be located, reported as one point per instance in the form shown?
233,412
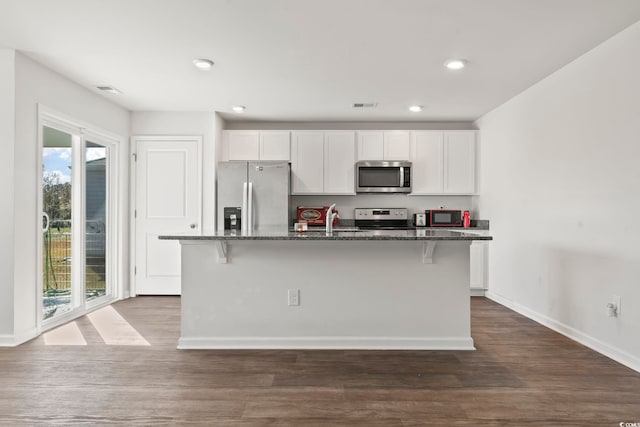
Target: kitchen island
386,289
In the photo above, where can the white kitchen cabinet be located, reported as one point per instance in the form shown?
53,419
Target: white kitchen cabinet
322,162
397,145
370,145
275,145
339,160
460,162
443,162
307,162
242,145
427,161
384,145
479,264
255,145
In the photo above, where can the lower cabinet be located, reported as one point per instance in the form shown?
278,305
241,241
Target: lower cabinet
322,162
479,266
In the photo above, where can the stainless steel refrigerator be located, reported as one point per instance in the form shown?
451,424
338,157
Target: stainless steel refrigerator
253,196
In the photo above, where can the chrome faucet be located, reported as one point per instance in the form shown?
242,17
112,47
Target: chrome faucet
331,215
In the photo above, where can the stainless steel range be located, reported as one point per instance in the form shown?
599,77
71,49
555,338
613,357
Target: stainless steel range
383,219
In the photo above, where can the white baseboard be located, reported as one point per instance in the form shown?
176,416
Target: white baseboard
478,292
595,344
324,343
15,340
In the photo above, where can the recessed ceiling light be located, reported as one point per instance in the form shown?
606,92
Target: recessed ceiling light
238,108
415,108
203,64
109,89
456,64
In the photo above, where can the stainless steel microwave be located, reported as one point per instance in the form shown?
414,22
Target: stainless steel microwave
381,176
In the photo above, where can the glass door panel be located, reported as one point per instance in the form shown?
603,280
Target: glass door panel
96,229
78,198
57,195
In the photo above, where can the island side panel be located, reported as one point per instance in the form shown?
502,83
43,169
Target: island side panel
353,295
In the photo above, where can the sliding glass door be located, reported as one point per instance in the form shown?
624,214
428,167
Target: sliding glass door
95,234
57,201
77,235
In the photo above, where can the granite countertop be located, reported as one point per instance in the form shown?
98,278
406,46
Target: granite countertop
420,234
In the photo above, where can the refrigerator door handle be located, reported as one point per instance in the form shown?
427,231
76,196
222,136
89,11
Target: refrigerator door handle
250,207
244,214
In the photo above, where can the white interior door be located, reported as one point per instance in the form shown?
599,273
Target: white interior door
168,200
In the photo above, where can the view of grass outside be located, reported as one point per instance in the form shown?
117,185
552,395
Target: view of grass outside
57,269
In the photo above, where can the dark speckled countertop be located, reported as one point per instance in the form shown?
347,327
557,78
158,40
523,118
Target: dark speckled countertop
420,234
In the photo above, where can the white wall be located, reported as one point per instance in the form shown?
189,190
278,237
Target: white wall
35,85
560,173
187,123
7,140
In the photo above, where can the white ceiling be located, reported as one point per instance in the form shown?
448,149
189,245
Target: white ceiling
310,60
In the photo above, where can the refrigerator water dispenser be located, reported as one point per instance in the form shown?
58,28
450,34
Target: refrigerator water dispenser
232,218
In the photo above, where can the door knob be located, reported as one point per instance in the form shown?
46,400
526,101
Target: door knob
193,225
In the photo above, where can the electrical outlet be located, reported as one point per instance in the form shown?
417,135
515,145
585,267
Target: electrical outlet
615,300
293,297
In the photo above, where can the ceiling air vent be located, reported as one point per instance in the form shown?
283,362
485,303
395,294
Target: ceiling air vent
365,105
109,89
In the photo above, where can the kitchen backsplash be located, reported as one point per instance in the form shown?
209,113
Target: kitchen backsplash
347,204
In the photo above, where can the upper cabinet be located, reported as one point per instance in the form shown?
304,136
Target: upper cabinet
255,145
275,145
241,144
339,162
307,162
444,162
460,162
397,145
384,145
428,162
370,145
322,162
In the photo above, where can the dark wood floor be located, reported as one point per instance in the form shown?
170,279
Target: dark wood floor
522,374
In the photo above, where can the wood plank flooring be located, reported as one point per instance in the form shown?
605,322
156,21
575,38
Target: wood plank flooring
521,374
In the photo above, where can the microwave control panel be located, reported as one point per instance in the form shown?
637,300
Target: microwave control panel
381,214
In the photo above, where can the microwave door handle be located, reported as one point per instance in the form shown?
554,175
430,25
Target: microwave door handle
401,176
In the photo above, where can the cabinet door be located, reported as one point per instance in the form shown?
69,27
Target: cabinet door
307,165
427,161
397,145
339,159
460,162
479,265
370,145
243,145
274,145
